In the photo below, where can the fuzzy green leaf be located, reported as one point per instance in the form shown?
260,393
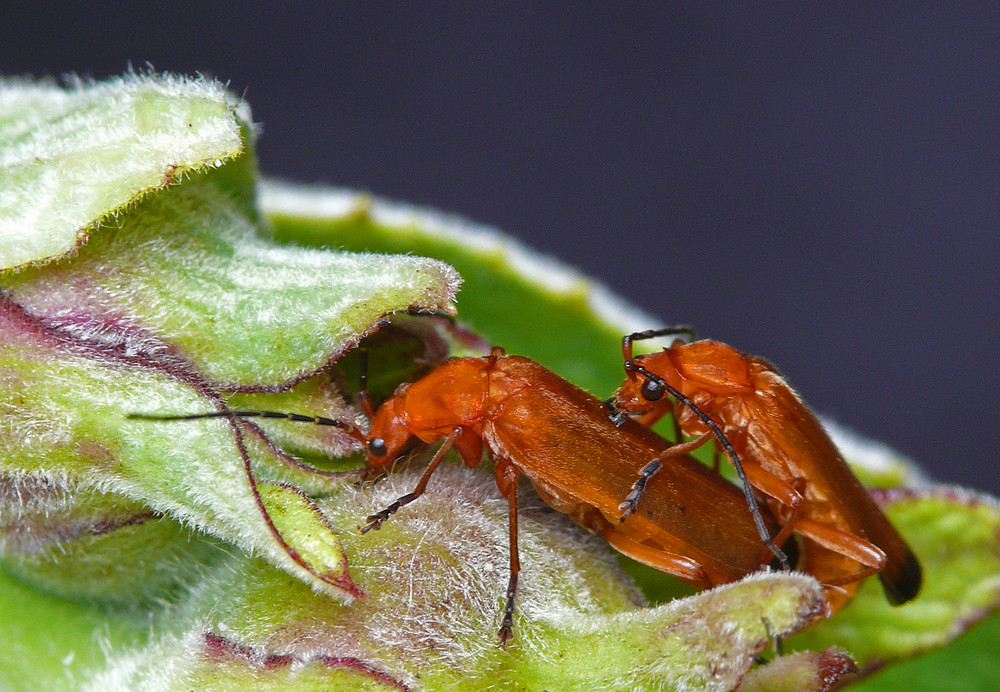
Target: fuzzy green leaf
189,266
70,157
179,301
193,472
68,539
527,303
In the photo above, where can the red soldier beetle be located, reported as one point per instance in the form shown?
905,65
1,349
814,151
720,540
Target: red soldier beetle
694,524
786,453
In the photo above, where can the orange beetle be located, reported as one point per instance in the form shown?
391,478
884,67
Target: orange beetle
693,525
786,455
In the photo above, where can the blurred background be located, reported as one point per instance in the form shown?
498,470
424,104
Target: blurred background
817,185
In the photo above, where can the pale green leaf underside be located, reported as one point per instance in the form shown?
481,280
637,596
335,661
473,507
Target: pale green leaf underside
193,472
69,157
525,302
188,266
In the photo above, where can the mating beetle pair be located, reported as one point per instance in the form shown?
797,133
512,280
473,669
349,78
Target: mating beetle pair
644,495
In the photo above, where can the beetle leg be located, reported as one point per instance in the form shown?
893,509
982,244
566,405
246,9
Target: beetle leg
376,520
632,499
470,447
616,415
777,489
506,476
846,544
648,419
682,567
649,470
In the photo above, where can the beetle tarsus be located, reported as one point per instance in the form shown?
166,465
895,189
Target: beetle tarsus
631,502
376,520
506,630
615,414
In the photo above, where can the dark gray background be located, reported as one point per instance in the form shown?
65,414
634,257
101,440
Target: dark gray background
818,185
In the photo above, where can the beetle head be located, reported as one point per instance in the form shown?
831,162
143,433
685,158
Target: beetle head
387,438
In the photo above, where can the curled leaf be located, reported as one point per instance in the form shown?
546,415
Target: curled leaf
102,548
312,543
177,301
70,157
530,304
189,267
196,473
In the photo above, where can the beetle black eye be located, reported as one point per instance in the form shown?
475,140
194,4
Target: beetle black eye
651,390
376,447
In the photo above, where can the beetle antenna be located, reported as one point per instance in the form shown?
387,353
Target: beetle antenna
317,420
724,441
684,330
